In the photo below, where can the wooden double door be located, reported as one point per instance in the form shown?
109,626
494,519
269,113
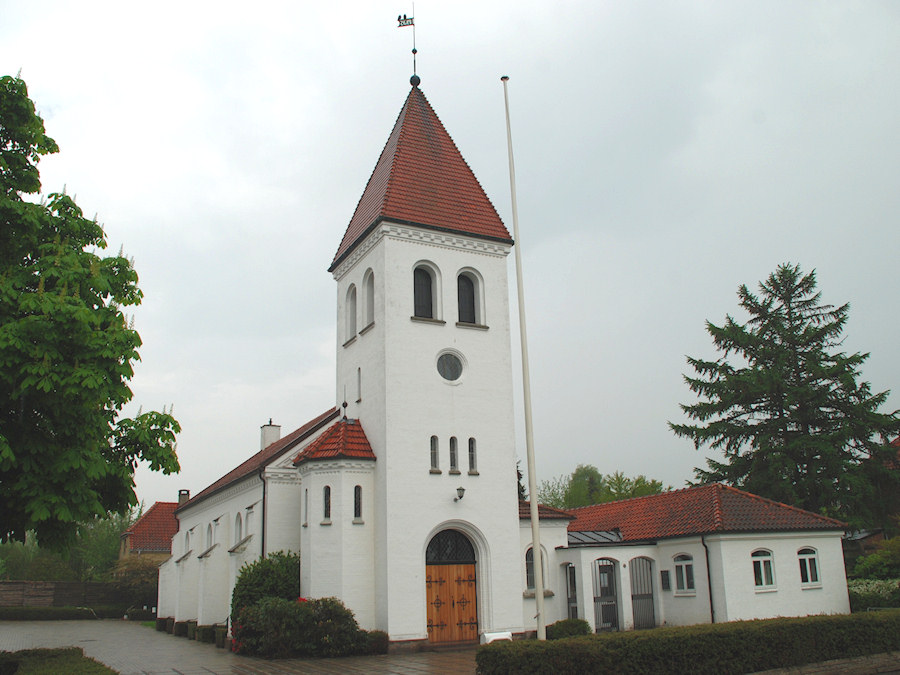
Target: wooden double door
452,602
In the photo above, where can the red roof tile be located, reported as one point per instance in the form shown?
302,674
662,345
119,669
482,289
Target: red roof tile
265,456
154,530
544,512
697,510
344,439
422,179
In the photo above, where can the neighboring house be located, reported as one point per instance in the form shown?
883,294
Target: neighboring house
151,534
402,498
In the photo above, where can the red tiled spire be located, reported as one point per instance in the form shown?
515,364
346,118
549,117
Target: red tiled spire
344,439
422,179
697,510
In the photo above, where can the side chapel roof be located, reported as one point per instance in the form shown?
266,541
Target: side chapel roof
154,530
422,179
344,439
705,509
265,456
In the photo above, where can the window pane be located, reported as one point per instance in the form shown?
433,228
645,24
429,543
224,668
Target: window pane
813,571
757,573
679,577
767,568
804,576
529,569
434,452
357,502
689,577
473,466
466,298
454,464
422,293
326,497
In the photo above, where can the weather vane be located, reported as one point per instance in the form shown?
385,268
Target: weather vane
402,22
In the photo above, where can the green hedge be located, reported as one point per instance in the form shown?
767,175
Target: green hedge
866,593
69,660
206,633
716,649
568,628
61,613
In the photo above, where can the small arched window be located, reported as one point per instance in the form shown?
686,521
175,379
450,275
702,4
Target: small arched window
809,566
238,528
684,574
763,570
351,313
326,502
423,291
209,535
357,502
473,460
369,299
454,456
465,287
435,457
529,569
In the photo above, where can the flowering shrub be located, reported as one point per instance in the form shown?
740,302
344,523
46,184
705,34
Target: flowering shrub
865,593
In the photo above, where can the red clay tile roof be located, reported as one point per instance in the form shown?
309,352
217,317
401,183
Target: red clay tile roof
697,510
265,456
154,530
345,438
544,512
422,179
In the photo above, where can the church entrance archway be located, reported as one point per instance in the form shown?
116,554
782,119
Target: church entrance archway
450,588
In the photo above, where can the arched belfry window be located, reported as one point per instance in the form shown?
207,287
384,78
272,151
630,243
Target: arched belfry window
369,298
351,313
465,287
449,547
423,291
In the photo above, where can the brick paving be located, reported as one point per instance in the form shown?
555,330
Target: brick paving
133,649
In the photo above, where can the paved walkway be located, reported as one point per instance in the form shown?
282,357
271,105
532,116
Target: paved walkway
133,649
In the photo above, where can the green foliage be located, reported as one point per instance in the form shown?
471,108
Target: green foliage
276,576
867,593
66,353
568,628
783,404
586,486
91,557
206,634
180,629
136,579
61,613
883,563
714,649
69,660
377,642
279,628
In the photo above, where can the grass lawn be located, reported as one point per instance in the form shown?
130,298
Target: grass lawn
69,660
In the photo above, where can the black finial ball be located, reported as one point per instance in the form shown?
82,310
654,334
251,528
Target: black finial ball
414,80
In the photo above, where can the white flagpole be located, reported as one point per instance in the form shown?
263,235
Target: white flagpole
537,555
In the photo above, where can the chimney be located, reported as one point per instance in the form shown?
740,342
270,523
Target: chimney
268,434
183,496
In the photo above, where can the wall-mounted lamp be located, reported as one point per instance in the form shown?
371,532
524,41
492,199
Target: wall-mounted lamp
460,493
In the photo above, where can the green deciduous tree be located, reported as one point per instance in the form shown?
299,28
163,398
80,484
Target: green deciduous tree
785,407
66,353
586,486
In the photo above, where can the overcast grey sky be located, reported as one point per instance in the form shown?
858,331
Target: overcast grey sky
666,152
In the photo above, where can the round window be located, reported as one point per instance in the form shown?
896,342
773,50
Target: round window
449,366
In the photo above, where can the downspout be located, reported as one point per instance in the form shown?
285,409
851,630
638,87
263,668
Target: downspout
262,525
712,610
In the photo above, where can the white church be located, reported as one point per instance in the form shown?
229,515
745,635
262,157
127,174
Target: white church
402,498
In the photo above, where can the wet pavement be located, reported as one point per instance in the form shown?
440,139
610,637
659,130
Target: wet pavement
133,649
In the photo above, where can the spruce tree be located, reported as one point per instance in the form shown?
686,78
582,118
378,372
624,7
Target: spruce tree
785,407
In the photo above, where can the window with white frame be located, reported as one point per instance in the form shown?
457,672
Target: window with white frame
684,574
529,569
357,504
809,567
763,569
423,293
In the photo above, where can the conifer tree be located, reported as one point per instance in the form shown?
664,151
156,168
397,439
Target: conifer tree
785,407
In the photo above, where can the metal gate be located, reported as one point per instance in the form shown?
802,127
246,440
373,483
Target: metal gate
606,609
642,592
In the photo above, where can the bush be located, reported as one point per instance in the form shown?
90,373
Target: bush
377,642
139,614
69,660
738,647
180,629
161,624
568,628
865,593
221,633
279,628
191,630
277,576
170,625
883,563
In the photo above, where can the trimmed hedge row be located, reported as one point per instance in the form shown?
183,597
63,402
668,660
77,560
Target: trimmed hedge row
716,649
61,613
69,660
